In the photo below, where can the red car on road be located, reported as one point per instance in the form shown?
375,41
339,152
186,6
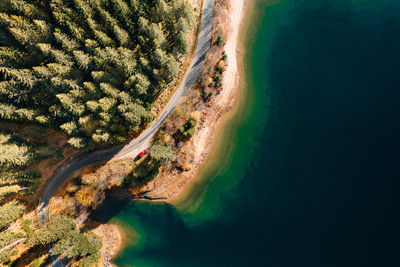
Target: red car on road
143,153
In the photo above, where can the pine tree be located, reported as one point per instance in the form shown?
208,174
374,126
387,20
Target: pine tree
103,39
7,111
12,154
101,136
71,104
9,213
90,260
183,9
83,60
122,36
25,32
22,7
77,245
156,35
24,76
109,90
171,68
124,14
10,57
107,103
69,127
77,142
61,57
159,58
26,114
8,189
68,43
160,11
141,84
8,237
161,154
53,231
182,44
183,25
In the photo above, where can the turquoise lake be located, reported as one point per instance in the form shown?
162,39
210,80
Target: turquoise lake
308,173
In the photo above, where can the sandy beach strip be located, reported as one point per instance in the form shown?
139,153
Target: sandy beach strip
231,76
209,136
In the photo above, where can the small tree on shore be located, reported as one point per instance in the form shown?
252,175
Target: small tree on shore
220,40
161,154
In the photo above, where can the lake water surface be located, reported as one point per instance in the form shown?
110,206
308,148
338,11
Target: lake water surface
308,173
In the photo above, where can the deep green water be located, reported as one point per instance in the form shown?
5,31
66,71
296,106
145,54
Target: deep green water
309,172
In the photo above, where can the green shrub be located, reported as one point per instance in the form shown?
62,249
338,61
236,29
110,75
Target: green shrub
187,130
9,213
161,154
224,56
220,40
189,133
191,123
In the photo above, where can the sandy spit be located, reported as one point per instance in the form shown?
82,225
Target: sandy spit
113,240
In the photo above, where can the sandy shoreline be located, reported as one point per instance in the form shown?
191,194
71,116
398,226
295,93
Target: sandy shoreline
225,104
113,238
231,76
173,185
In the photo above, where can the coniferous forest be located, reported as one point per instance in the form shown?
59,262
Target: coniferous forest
89,67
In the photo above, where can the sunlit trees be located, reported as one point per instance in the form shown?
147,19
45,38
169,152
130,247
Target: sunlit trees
188,129
6,238
53,231
77,245
103,60
9,213
69,241
12,153
15,157
161,154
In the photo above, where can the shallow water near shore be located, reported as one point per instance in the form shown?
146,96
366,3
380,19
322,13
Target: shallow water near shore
307,172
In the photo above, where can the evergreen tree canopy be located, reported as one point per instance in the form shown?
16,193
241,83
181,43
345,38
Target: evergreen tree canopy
64,60
77,245
53,231
13,153
161,154
8,237
9,213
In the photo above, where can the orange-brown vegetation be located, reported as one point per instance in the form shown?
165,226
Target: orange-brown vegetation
87,191
65,205
86,195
